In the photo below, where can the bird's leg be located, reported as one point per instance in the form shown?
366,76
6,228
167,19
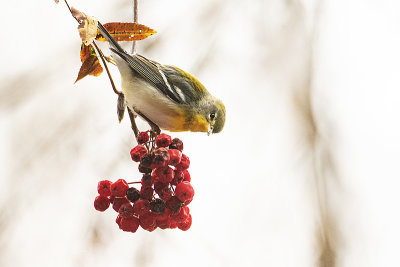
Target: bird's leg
154,128
133,123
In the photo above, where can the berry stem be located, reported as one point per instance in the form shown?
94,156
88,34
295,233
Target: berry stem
134,182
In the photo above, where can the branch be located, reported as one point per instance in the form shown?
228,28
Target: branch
135,20
105,66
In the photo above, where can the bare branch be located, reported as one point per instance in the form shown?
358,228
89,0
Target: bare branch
135,19
105,66
70,10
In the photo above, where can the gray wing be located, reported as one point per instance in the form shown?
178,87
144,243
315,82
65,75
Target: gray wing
187,86
151,72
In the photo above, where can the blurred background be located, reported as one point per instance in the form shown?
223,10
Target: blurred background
305,173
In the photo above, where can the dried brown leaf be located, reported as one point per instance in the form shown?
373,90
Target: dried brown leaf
90,63
86,51
126,31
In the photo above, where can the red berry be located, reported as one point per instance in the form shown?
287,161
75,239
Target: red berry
184,191
182,215
174,204
119,188
163,190
143,169
148,221
104,188
141,206
137,152
184,164
174,157
160,158
158,186
173,224
163,140
118,220
146,193
163,223
151,228
132,194
126,210
187,202
178,177
186,175
165,193
176,144
118,202
101,203
157,206
164,216
130,224
164,175
146,160
185,225
147,180
143,137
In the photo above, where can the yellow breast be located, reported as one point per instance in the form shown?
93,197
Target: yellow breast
196,123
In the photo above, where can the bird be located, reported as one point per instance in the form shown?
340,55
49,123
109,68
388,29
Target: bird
165,96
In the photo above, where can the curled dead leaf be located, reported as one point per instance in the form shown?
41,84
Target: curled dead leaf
87,26
86,51
88,30
79,16
90,63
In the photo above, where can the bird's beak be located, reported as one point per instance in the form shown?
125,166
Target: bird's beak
210,130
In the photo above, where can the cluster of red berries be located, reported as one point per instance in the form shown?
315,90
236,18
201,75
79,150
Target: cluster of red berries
165,192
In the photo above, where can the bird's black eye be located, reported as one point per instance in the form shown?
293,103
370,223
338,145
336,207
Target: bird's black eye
212,115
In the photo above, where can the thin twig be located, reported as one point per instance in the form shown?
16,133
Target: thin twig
105,66
135,20
134,182
70,10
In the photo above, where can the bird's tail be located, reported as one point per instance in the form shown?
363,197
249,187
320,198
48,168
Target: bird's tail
114,44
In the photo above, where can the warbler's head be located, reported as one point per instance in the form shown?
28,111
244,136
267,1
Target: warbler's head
213,111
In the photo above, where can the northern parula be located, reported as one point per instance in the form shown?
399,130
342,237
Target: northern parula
169,97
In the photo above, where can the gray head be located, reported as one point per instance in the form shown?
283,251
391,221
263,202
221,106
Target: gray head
213,111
